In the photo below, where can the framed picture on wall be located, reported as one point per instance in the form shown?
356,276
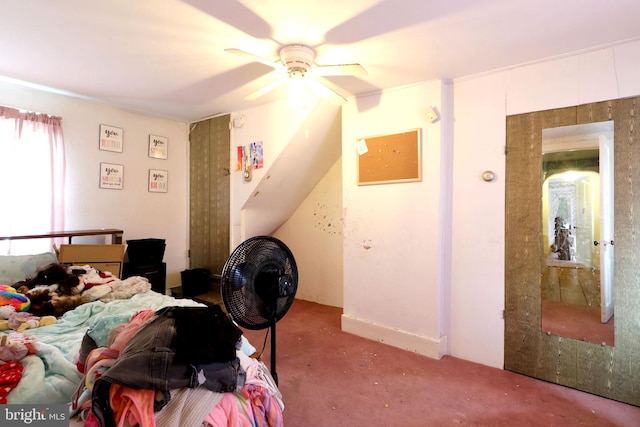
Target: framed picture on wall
158,147
158,180
111,138
111,176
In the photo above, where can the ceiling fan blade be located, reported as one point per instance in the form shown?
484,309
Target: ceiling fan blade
266,89
340,70
255,58
325,89
236,15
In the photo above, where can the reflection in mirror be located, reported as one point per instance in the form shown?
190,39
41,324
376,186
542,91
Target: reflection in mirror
577,226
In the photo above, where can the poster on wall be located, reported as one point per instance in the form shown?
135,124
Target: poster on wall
158,147
257,157
250,157
111,176
111,138
241,157
158,181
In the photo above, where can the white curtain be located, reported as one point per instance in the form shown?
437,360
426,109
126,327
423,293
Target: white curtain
32,171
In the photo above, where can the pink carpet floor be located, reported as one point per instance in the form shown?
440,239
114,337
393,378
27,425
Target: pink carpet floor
332,378
577,321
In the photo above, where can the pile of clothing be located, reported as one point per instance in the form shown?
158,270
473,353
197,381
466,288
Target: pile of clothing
176,366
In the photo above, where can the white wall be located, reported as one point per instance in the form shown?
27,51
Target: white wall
272,125
314,235
477,256
139,213
297,195
393,278
481,105
394,291
300,146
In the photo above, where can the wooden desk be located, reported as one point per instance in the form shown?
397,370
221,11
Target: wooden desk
116,235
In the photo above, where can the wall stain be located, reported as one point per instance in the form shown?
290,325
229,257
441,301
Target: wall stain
325,221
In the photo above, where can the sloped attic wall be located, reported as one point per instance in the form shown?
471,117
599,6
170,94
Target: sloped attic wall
314,233
300,146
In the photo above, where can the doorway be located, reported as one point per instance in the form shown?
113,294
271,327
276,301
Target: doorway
209,193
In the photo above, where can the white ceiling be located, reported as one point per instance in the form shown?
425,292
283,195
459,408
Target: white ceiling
167,58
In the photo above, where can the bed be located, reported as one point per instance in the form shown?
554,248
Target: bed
74,359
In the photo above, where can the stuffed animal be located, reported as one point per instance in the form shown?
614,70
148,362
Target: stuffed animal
44,321
54,290
12,350
47,320
45,302
14,347
64,303
22,321
55,276
9,296
6,311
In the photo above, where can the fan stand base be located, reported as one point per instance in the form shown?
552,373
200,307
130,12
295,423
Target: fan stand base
274,374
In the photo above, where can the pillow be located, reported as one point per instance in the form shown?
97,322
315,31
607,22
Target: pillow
14,268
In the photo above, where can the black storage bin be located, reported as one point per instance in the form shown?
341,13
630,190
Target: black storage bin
145,251
156,274
196,281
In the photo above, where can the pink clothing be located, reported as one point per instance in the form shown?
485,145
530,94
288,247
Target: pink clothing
91,421
129,330
98,354
132,406
266,411
101,358
98,360
226,413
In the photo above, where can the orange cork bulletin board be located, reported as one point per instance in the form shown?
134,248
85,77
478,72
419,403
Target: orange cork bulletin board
390,158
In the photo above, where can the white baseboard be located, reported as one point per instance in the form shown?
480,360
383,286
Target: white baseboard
426,346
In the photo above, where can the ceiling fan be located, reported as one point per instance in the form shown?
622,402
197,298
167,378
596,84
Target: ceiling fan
299,69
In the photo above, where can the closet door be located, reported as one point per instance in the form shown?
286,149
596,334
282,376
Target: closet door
209,198
610,369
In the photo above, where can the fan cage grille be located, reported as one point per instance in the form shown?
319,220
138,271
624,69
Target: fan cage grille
250,282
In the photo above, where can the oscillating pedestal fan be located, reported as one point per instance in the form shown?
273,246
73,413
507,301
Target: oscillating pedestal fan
259,283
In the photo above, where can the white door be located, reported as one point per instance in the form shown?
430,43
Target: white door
606,229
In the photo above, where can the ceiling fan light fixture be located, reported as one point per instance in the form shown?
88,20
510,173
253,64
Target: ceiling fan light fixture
297,60
297,90
297,56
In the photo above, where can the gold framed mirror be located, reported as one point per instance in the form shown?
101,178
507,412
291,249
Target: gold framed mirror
606,369
577,231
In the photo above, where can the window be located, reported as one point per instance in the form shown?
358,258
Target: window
32,174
